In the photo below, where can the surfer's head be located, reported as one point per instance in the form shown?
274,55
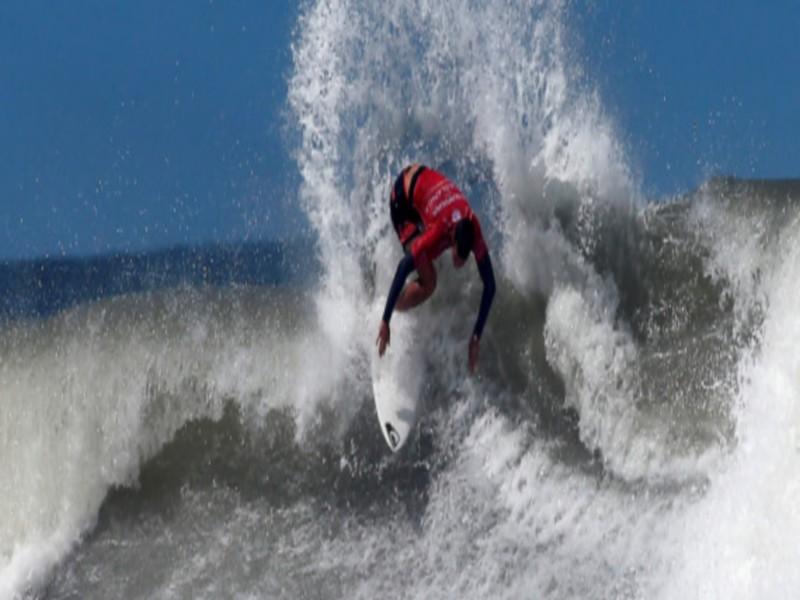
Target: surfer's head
463,240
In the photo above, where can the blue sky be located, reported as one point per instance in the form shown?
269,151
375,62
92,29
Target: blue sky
129,125
138,125
699,87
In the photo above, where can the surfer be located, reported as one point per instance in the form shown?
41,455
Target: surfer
430,214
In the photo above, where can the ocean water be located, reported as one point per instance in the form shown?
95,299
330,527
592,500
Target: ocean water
200,422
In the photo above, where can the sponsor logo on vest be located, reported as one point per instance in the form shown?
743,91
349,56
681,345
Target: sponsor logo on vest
394,437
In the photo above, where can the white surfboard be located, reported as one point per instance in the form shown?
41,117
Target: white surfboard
396,387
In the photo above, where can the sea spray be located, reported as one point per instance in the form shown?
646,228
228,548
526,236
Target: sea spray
502,108
739,541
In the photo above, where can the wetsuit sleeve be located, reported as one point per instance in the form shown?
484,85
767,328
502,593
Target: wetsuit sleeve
487,276
404,269
479,248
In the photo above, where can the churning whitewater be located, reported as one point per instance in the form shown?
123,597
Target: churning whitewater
633,431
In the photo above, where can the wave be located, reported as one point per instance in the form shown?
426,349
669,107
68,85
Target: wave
93,393
191,398
43,287
147,401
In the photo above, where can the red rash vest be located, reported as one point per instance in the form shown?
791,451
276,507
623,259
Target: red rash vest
441,205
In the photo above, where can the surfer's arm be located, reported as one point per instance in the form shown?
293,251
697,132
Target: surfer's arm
487,276
404,268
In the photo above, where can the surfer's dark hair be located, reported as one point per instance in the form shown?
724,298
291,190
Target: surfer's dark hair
465,237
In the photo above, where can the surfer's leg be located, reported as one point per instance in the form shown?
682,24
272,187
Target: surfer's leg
419,290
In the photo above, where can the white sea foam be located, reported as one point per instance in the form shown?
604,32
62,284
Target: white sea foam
740,540
91,394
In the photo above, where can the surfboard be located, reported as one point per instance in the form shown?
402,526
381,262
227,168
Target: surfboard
396,387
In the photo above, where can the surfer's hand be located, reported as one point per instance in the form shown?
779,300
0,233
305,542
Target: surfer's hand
383,338
474,349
